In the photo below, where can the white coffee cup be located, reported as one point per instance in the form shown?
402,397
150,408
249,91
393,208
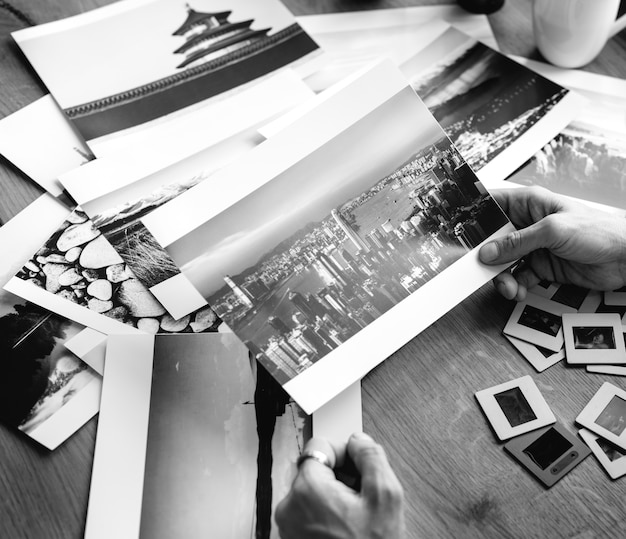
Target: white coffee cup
571,33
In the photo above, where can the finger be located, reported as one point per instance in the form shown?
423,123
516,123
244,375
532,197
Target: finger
506,285
311,465
519,243
378,482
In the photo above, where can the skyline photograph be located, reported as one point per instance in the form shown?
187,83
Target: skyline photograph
484,101
319,252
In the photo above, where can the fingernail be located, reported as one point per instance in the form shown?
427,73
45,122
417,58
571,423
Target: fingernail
489,252
501,288
361,436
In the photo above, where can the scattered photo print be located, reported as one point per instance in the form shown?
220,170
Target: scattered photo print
586,160
223,440
613,417
78,264
39,375
482,99
315,255
190,51
594,338
515,406
540,320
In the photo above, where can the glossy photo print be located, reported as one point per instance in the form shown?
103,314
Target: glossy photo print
189,52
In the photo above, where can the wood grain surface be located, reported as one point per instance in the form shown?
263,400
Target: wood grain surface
458,480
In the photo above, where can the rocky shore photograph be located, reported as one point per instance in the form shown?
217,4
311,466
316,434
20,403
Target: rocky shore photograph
78,264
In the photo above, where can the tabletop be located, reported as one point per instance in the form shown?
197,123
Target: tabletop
458,480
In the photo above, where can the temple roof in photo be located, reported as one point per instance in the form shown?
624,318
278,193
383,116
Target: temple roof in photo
197,17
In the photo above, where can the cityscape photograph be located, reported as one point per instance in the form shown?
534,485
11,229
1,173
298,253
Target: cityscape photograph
330,243
334,277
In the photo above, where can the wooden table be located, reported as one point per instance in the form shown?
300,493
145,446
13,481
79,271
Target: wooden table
458,480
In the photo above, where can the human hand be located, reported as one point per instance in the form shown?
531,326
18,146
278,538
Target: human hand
319,506
561,241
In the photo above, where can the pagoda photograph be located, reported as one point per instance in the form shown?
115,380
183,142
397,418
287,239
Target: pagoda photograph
126,66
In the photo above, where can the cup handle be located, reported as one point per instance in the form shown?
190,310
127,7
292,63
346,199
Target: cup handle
618,25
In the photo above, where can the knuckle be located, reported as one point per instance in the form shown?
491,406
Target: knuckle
512,242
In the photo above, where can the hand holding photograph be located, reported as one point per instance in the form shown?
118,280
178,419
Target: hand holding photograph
349,224
195,439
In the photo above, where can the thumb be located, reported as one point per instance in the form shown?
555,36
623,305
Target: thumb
517,244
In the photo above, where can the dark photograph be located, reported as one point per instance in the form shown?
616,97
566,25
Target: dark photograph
515,406
482,99
223,440
594,338
318,253
548,448
39,375
540,320
613,417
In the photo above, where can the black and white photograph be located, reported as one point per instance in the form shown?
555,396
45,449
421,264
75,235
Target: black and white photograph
302,264
202,426
41,378
515,407
165,56
220,429
304,259
351,40
610,456
605,414
587,160
496,111
594,338
537,320
77,264
548,454
46,391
